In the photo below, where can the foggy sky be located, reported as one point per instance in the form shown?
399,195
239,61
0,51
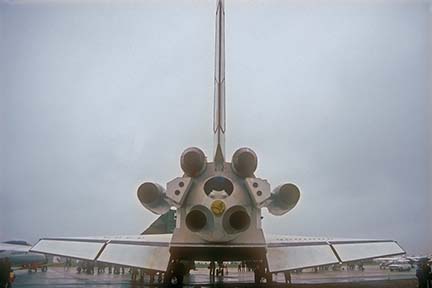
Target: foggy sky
98,97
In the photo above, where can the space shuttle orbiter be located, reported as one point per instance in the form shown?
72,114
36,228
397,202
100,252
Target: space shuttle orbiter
218,213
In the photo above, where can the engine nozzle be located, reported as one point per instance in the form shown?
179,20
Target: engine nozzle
283,199
193,161
152,197
199,219
244,162
236,220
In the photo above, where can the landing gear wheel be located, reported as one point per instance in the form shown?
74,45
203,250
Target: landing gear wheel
175,281
44,268
174,276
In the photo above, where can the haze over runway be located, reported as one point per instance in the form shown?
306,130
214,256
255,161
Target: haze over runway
334,96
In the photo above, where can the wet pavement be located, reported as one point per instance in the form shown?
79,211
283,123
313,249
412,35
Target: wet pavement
57,277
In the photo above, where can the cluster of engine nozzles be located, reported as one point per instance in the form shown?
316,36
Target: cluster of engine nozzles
193,162
235,220
244,163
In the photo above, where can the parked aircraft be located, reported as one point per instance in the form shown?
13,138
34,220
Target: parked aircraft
417,259
218,214
385,262
20,257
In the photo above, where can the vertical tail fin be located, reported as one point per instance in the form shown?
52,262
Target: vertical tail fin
219,86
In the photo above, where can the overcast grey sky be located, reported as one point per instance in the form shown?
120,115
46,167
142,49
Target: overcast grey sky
98,97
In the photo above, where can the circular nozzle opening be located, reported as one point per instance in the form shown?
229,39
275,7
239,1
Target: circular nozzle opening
236,220
148,192
193,161
196,220
244,162
239,220
289,194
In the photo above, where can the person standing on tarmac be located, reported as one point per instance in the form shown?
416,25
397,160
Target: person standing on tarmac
422,274
212,269
287,275
8,273
428,274
2,273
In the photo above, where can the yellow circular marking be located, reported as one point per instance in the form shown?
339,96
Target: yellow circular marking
218,207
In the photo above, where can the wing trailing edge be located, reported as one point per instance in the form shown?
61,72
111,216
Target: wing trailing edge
142,251
290,253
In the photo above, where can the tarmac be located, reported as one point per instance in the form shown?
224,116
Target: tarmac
372,276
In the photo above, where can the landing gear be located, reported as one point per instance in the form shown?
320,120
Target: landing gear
33,268
175,274
261,273
263,278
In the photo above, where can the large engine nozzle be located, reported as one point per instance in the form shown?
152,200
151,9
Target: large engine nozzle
199,218
236,220
244,162
283,199
152,197
193,161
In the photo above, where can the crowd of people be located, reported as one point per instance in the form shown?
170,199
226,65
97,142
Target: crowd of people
217,269
423,272
91,267
6,273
